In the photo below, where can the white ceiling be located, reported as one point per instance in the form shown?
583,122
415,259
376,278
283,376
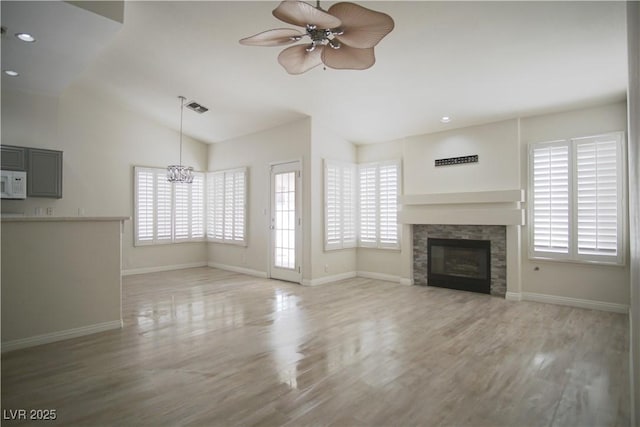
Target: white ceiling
474,61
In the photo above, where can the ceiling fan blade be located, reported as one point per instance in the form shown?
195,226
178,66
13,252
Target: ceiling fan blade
348,58
296,59
362,27
277,37
302,14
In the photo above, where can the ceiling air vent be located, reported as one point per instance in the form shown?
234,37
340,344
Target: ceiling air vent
193,105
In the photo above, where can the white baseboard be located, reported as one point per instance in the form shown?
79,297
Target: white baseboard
329,279
144,270
573,302
380,276
60,335
352,274
513,296
235,269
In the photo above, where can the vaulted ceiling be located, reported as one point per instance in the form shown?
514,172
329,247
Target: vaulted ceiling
474,61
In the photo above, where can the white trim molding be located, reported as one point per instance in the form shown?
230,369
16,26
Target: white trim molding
241,270
572,302
513,296
379,276
134,271
60,335
353,274
329,279
500,196
501,207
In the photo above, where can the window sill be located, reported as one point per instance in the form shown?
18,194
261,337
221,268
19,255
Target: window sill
178,242
223,242
532,258
380,249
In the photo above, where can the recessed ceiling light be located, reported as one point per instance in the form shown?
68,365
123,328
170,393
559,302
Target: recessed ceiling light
26,37
445,119
11,73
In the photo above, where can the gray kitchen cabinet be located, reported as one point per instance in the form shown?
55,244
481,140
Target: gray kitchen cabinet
44,173
13,158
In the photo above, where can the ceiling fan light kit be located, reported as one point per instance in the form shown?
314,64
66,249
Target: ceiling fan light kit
342,38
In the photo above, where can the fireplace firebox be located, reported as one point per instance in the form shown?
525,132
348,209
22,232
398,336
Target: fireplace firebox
459,264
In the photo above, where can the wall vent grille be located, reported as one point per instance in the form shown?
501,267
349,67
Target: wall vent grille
198,108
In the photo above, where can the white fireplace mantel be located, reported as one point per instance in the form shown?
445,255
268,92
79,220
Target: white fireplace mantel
501,207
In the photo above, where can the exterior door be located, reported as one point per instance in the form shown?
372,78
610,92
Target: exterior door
286,222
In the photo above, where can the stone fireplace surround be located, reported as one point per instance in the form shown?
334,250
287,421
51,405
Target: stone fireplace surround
471,215
496,234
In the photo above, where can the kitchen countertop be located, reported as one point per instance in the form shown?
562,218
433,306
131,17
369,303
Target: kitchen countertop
20,218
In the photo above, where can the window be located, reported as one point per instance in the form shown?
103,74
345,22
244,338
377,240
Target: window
361,205
339,205
165,212
577,210
378,189
226,206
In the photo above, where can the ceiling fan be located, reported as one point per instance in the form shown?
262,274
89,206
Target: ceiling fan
342,37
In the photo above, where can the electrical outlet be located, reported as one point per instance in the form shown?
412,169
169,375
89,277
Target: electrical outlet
49,211
326,268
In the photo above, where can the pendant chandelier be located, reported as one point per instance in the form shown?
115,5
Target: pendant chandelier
179,173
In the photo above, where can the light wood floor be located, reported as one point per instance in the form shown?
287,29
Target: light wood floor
209,347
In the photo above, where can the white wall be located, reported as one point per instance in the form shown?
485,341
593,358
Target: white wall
572,280
502,150
59,279
325,144
101,141
633,96
393,263
496,144
257,151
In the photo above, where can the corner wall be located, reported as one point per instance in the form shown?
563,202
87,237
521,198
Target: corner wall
495,144
502,150
335,264
102,141
633,96
608,284
386,264
257,152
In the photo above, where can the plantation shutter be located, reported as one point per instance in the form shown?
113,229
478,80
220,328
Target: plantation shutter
215,205
388,205
340,205
577,199
144,193
164,207
550,167
368,205
229,194
349,206
333,204
226,206
181,203
167,212
598,195
239,179
197,207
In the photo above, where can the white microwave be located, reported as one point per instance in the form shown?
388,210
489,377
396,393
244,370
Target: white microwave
14,184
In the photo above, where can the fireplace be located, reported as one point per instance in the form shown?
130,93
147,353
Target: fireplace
462,264
494,235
